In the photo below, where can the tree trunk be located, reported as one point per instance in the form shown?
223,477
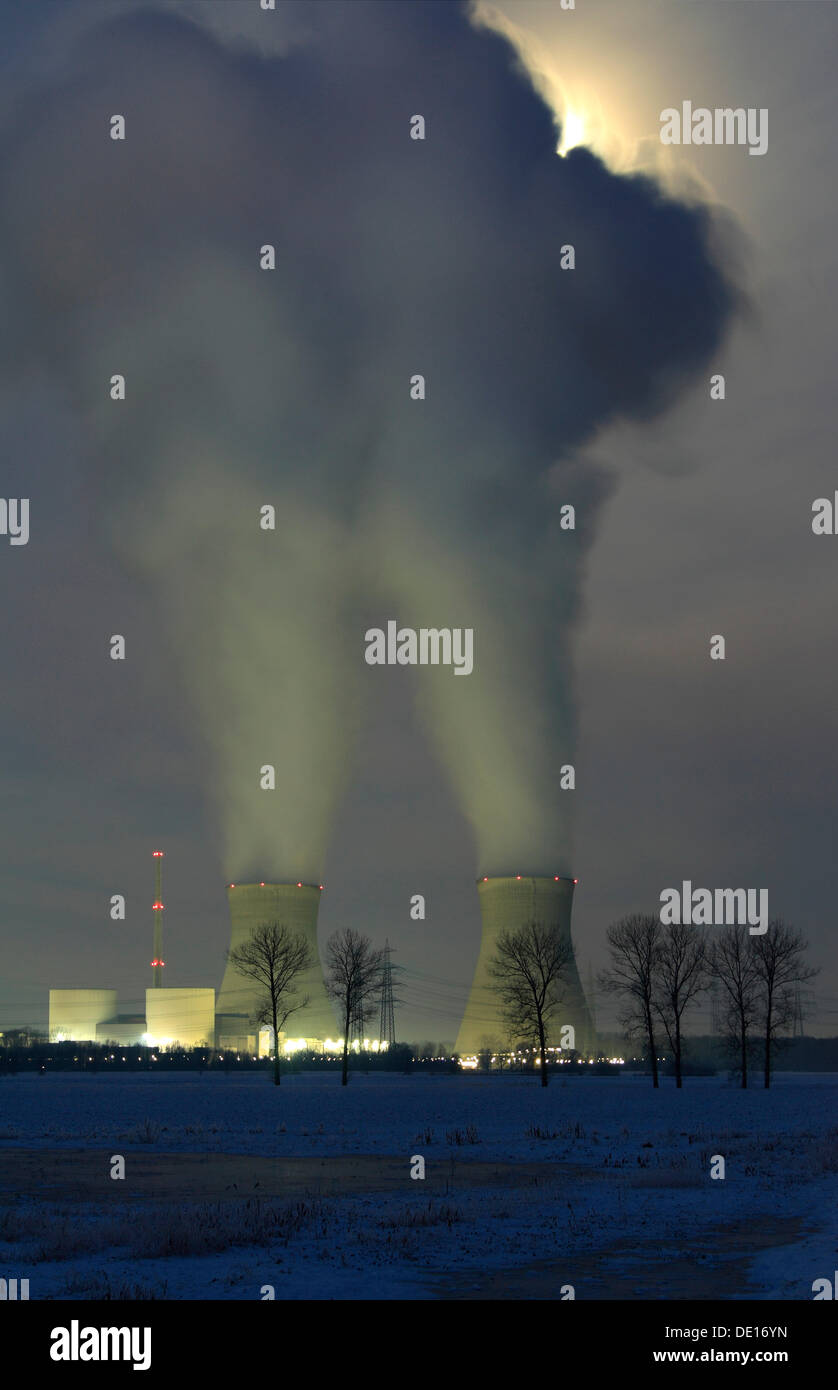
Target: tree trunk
744,1037
768,1015
543,1048
678,1081
344,1075
650,1030
276,1048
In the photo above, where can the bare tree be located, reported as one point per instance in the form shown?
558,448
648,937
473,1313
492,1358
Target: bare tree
354,981
681,975
778,954
274,956
634,944
733,963
527,969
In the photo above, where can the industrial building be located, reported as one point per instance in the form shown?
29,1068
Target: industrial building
183,1016
505,905
76,1014
294,905
173,1016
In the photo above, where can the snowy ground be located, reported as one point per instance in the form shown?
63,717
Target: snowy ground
600,1183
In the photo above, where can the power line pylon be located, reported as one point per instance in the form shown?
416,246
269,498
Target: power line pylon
387,1022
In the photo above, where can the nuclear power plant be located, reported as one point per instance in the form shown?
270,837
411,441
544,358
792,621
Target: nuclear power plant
293,905
190,1017
505,905
185,1017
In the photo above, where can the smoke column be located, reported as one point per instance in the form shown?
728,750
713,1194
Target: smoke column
291,387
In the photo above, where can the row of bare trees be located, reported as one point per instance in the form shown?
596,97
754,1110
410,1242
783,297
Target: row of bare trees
275,957
658,972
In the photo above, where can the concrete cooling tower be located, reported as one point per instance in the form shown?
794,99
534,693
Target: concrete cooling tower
505,905
294,905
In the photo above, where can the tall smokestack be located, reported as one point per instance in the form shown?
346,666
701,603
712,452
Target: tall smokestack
505,905
293,905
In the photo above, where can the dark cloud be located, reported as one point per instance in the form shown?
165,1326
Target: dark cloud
394,256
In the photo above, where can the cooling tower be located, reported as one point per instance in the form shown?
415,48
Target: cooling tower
505,905
294,905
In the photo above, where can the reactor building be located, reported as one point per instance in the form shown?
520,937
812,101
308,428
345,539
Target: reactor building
293,905
75,1015
505,905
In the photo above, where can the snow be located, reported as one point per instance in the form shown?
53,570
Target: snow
598,1182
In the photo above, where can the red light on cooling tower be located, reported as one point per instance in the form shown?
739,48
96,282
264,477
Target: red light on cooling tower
299,885
321,887
261,885
576,880
518,877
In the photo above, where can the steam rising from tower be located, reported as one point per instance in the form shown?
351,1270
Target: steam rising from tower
505,905
247,387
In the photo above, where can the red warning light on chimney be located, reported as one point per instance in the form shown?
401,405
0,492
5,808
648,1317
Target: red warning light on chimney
157,906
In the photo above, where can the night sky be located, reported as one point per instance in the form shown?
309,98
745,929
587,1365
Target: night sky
695,515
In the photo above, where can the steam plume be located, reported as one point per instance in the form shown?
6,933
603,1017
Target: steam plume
244,388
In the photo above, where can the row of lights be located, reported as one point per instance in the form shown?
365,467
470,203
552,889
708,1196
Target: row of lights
556,879
369,1045
264,885
469,1063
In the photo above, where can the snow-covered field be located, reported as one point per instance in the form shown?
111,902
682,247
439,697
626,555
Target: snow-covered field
600,1183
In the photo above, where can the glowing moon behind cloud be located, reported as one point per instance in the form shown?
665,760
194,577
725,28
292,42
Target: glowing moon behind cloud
574,127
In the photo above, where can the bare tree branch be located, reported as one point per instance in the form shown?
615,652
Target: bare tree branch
732,962
528,969
274,957
354,981
681,975
778,954
634,945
